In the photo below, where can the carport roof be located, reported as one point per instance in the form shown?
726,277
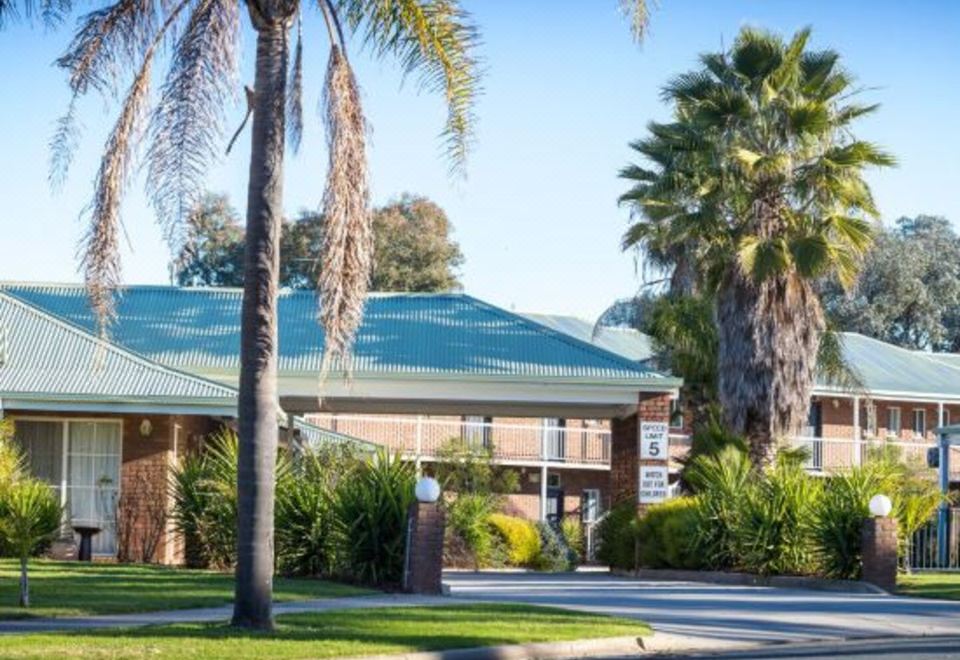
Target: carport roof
403,335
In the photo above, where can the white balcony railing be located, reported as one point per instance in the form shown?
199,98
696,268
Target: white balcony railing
520,443
830,455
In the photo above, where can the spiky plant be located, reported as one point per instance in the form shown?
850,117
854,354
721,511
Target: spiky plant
115,47
759,180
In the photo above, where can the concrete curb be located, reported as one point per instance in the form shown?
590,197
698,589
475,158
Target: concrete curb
752,580
579,648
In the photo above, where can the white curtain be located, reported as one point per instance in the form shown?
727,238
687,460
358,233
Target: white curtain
94,480
42,444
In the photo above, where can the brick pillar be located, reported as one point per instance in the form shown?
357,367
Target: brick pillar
879,551
625,459
424,561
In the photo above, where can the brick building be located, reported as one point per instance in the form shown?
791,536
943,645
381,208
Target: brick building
446,365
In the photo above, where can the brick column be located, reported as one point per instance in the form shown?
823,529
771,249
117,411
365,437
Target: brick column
625,459
424,561
878,548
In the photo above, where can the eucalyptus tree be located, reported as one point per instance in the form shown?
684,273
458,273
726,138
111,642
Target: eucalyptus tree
761,185
114,51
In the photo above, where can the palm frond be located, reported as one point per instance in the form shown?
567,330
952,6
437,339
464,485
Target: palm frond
347,248
295,95
436,39
51,12
187,125
100,246
63,145
637,12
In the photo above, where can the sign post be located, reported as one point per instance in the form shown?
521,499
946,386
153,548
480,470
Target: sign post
654,475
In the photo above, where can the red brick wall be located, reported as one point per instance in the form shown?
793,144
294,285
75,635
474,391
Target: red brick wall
625,445
526,502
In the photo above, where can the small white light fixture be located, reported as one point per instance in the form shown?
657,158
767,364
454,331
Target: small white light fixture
427,490
880,506
146,428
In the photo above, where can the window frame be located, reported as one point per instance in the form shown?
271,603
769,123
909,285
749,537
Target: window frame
891,431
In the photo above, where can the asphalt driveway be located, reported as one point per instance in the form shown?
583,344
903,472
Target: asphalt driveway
718,615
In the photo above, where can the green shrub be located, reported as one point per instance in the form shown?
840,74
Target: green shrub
667,534
572,531
520,538
204,489
720,481
371,511
774,535
838,517
555,556
306,527
467,518
30,516
616,537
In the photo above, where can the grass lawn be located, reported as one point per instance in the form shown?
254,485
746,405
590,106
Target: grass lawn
77,589
930,585
333,634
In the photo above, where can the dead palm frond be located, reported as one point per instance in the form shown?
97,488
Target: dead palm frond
187,126
295,94
638,13
348,234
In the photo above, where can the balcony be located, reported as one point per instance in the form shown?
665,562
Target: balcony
523,443
830,455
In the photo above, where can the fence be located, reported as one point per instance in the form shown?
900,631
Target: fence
837,454
922,551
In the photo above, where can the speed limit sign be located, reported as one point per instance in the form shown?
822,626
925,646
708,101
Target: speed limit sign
654,441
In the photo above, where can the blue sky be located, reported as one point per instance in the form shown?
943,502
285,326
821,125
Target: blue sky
565,90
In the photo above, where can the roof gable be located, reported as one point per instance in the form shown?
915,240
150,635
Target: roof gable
627,342
44,356
198,329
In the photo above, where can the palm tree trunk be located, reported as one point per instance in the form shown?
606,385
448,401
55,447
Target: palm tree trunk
258,343
769,336
24,584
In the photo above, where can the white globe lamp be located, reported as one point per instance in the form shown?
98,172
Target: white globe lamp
427,490
880,506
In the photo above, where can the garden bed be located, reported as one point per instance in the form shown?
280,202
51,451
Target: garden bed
753,580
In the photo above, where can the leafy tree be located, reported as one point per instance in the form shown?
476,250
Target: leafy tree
116,46
412,248
908,292
758,181
213,256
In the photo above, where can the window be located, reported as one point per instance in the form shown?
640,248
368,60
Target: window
871,420
476,430
946,417
590,505
81,460
920,421
893,421
676,413
553,480
555,438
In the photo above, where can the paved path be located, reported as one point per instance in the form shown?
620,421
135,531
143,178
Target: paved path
212,614
719,615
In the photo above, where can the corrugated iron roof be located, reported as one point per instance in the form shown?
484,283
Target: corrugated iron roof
884,367
198,329
628,342
48,357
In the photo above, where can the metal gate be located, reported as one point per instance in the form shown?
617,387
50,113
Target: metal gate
922,549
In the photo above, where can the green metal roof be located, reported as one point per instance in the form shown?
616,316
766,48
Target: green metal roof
628,342
198,329
885,368
317,435
44,357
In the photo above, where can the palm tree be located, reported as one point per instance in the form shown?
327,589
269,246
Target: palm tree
30,515
762,188
434,38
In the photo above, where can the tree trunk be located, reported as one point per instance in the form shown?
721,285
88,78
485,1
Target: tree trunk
24,584
769,336
258,340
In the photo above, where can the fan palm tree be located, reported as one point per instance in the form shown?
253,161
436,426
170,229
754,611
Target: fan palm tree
761,186
122,40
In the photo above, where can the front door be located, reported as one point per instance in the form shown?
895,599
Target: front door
554,505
